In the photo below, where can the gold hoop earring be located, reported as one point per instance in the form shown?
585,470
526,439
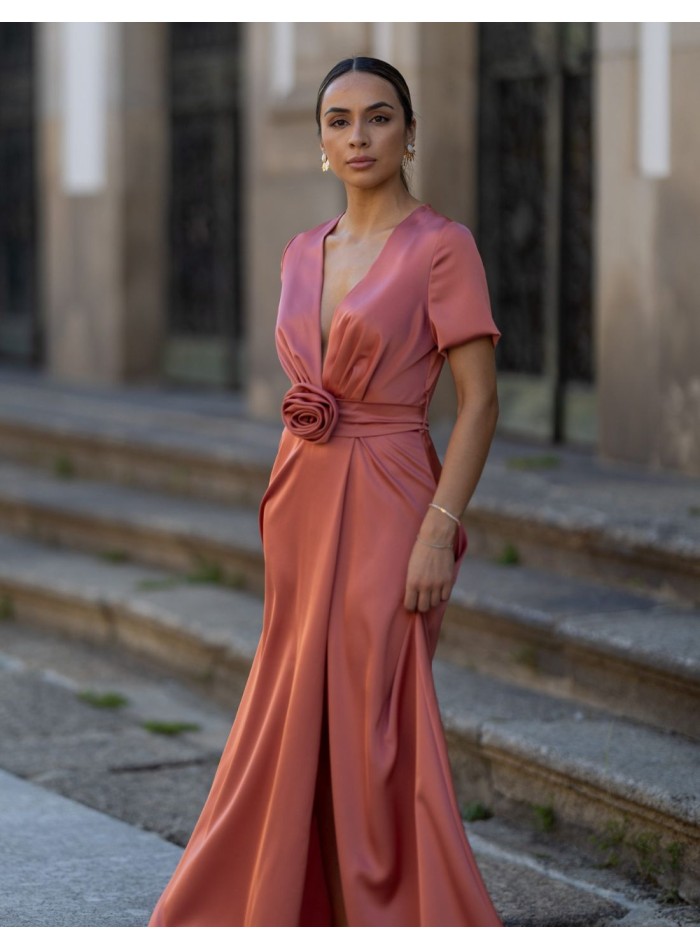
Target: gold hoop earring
325,164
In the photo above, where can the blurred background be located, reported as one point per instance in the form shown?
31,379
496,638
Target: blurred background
150,174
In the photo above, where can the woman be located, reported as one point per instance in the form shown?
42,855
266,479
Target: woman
333,802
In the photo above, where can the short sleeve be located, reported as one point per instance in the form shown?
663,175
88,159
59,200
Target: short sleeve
459,308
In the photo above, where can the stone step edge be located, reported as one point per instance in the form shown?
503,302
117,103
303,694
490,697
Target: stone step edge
540,660
561,628
179,548
129,622
616,542
119,439
228,473
615,827
587,549
563,632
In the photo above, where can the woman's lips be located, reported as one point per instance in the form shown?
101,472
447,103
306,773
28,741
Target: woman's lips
362,163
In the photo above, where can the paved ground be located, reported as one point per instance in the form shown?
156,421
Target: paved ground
94,807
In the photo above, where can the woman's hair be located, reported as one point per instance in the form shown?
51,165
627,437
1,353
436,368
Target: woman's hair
368,64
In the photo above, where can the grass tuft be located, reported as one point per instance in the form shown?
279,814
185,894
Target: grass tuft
476,811
115,555
158,583
544,817
7,608
654,861
530,463
527,656
103,700
163,728
210,572
509,556
206,572
63,466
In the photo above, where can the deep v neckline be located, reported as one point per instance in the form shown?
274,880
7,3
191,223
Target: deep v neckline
319,313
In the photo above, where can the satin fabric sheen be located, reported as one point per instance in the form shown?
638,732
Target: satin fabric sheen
339,655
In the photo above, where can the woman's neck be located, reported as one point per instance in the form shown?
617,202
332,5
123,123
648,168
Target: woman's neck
372,212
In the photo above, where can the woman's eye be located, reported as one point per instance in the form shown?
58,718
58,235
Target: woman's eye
381,118
336,122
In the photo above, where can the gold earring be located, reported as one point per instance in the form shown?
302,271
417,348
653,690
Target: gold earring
325,164
410,153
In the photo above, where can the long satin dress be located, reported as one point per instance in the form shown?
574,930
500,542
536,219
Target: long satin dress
342,674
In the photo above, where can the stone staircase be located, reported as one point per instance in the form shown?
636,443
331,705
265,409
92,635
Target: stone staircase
569,668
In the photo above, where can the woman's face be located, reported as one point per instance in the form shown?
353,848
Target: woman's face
362,118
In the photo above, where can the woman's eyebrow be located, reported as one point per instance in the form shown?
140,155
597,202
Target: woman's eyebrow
375,105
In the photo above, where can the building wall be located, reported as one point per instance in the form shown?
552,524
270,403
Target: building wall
103,252
647,278
103,255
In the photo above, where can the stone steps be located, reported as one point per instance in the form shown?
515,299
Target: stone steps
624,790
571,514
558,511
568,667
153,527
212,453
139,783
627,653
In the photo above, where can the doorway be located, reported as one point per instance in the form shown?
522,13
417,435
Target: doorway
205,331
535,223
20,342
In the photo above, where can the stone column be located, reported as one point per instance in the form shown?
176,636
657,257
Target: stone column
647,282
102,194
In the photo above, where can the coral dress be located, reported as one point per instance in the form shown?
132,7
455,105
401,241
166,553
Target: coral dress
342,674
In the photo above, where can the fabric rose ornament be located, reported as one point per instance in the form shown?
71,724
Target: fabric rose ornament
310,412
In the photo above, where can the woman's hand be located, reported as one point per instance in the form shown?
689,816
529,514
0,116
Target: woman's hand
430,569
429,578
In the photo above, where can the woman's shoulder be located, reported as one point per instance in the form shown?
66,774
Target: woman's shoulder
446,229
301,237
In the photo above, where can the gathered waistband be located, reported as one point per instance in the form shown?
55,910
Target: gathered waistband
314,414
360,418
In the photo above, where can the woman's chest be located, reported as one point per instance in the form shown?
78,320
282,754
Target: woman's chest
345,266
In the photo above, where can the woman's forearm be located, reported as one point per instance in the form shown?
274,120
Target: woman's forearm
464,461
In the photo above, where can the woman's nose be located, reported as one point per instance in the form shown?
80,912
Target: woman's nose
358,133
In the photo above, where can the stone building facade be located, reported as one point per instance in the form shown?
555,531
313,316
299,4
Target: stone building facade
152,173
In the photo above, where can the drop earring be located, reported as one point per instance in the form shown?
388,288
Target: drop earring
325,164
409,154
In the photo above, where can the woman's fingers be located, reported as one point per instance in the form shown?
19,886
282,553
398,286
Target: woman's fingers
423,599
410,600
429,578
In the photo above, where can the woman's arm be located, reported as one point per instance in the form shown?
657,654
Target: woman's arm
429,576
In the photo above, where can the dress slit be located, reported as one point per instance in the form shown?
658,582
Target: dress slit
323,904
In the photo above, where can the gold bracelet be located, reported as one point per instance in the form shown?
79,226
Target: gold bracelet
444,511
430,545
